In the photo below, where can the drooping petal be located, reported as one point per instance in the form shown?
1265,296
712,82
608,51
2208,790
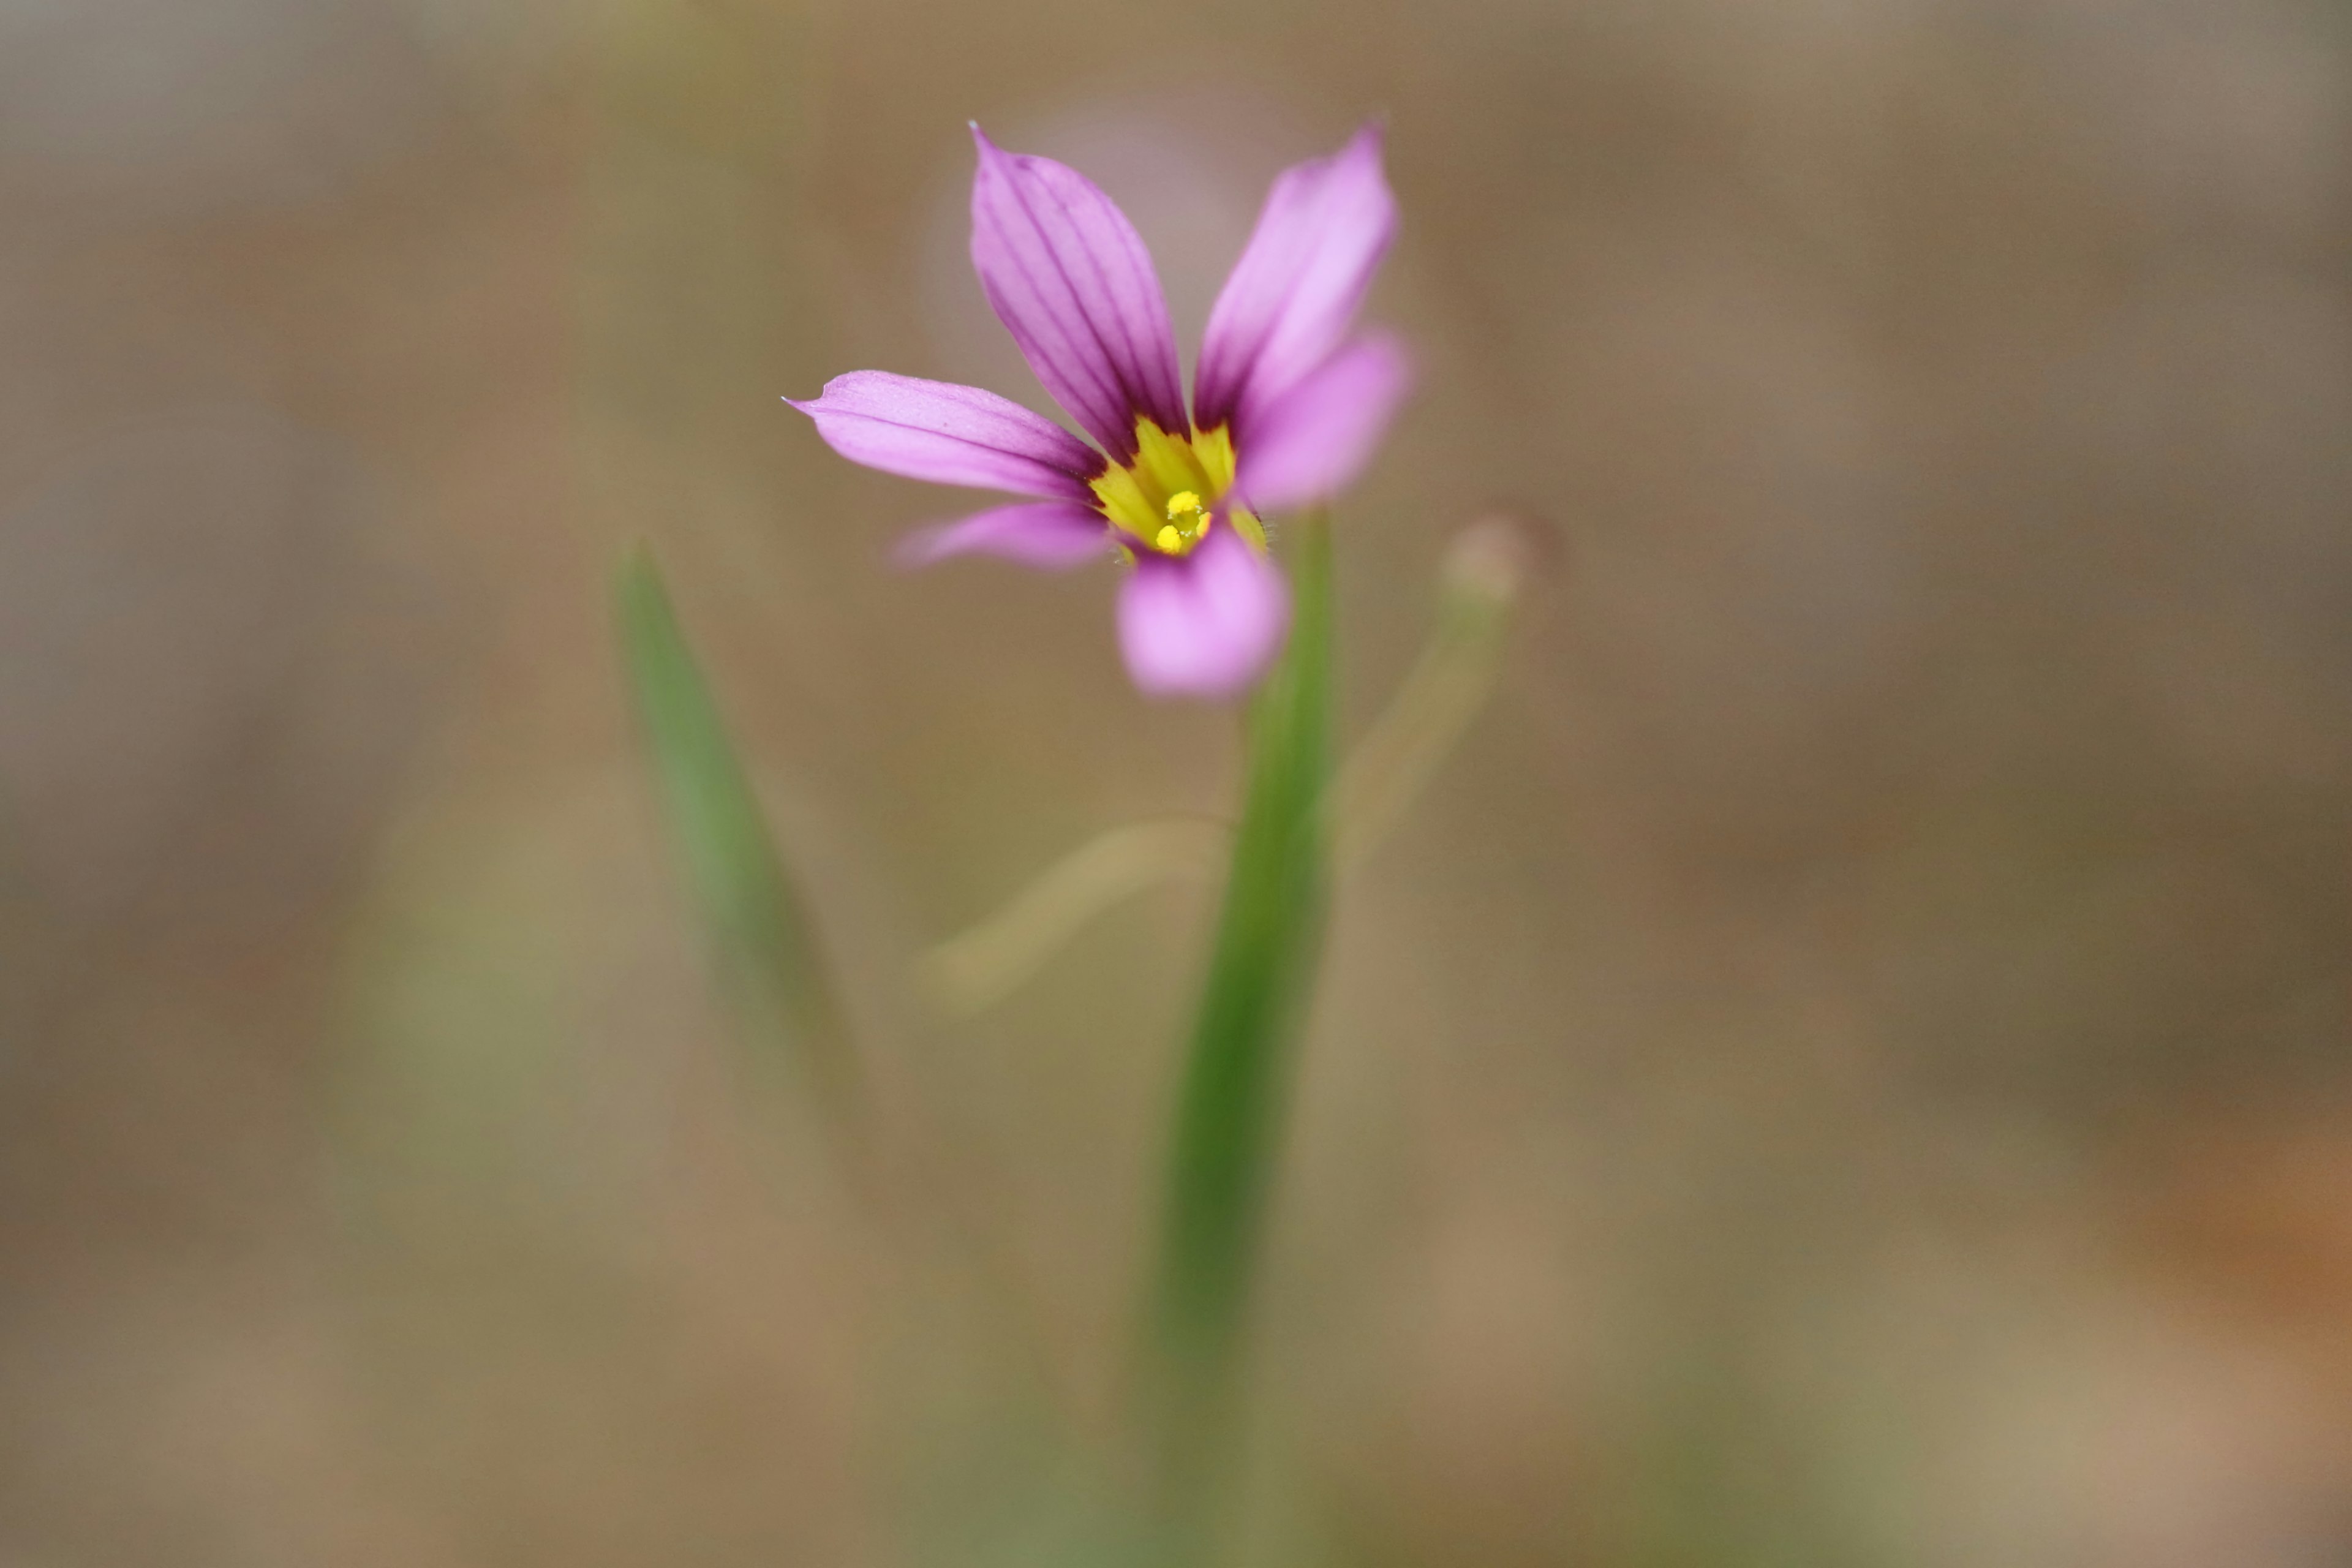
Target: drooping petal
1310,443
1291,297
1051,535
1203,624
1069,277
949,434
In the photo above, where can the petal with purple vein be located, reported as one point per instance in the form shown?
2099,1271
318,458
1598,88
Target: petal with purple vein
1069,277
949,434
1297,288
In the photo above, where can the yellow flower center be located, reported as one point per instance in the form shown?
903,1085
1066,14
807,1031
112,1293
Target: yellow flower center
1167,498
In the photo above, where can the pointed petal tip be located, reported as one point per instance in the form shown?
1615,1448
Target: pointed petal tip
1071,279
841,387
949,434
842,382
1291,297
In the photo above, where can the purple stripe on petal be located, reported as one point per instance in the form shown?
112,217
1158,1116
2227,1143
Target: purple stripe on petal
1311,442
1203,624
949,434
1295,292
1051,535
1069,277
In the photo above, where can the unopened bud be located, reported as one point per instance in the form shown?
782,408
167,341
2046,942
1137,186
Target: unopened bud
1493,558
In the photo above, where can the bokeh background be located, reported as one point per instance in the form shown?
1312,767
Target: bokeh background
1848,1065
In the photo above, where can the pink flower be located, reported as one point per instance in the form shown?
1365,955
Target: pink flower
1286,405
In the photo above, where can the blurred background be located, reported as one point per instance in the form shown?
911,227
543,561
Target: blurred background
1848,1065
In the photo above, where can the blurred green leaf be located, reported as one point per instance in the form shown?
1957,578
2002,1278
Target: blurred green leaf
1252,1010
766,946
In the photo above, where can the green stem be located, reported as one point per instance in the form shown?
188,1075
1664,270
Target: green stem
1236,1081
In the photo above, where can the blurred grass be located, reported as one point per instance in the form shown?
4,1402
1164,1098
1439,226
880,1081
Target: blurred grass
765,943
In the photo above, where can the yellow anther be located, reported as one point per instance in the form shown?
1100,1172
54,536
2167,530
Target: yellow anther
1173,479
1169,538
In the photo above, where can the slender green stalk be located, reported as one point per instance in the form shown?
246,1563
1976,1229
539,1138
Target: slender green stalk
982,967
766,947
1480,585
1251,1011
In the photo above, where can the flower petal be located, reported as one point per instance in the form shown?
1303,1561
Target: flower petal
949,434
1290,300
1069,277
1311,442
1203,624
1052,535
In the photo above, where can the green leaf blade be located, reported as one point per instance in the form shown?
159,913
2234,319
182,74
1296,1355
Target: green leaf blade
766,946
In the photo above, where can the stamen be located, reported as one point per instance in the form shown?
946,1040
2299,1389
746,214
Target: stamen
1161,499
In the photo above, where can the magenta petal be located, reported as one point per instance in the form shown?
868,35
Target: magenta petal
949,434
1312,441
1203,624
1054,535
1069,277
1295,292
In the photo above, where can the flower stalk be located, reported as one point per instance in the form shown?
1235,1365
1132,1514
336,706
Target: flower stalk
1236,1081
1479,584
